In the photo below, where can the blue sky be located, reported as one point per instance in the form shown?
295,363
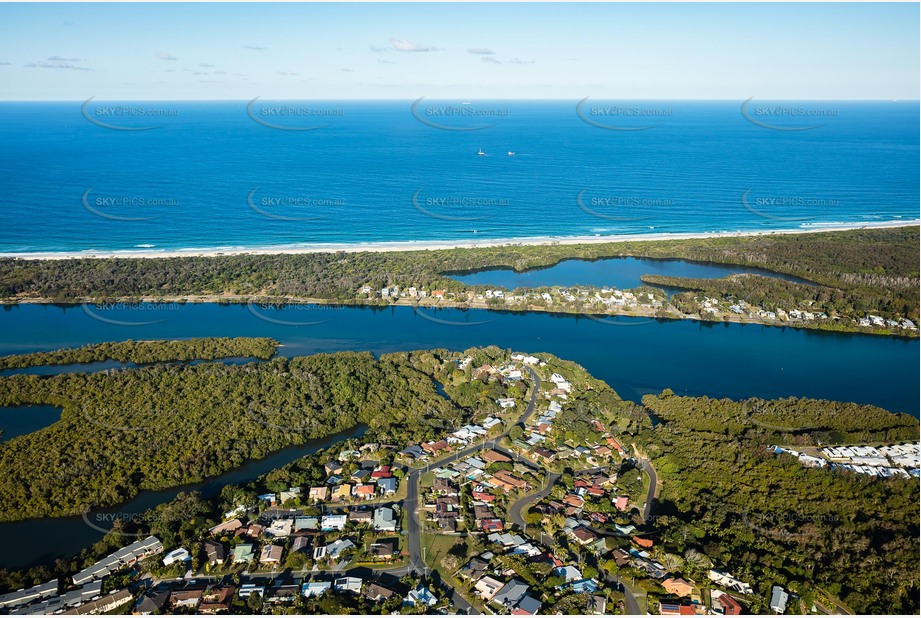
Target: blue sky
404,51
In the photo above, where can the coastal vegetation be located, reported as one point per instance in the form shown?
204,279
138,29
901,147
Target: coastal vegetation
770,519
165,425
145,352
727,500
856,271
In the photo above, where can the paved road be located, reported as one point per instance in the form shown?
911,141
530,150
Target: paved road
653,491
414,532
515,511
518,507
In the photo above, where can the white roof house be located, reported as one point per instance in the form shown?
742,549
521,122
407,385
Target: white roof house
315,589
333,522
177,555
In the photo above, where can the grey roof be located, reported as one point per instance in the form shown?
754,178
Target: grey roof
26,595
151,602
511,593
778,598
116,560
529,604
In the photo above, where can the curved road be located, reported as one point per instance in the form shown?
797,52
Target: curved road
414,533
517,508
653,490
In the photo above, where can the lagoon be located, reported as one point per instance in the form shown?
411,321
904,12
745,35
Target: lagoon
621,273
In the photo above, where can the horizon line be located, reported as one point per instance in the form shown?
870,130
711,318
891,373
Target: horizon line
471,99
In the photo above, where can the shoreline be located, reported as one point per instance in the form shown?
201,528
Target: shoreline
249,299
436,245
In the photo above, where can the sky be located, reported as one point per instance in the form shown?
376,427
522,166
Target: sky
122,52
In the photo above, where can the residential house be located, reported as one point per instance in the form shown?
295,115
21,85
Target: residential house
301,543
177,555
420,595
510,594
291,494
382,473
215,552
306,523
271,554
574,501
342,493
333,522
728,605
335,549
227,527
318,494
644,543
435,447
527,606
487,587
584,536
150,603
376,592
360,516
511,479
185,598
243,553
493,456
216,600
280,528
348,584
360,475
492,525
678,586
779,599
253,531
387,485
383,549
284,593
384,519
315,589
444,487
672,608
365,492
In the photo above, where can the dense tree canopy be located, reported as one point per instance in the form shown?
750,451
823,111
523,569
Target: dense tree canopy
145,352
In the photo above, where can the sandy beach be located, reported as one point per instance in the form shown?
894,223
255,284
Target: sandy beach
445,244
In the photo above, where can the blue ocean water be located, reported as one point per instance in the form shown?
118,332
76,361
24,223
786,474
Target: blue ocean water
210,175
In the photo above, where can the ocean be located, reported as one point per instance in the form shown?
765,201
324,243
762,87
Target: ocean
77,176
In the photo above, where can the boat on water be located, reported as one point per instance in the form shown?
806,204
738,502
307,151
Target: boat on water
511,153
481,153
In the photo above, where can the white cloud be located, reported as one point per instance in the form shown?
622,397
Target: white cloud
59,59
402,45
55,64
205,65
254,47
490,59
485,51
165,56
